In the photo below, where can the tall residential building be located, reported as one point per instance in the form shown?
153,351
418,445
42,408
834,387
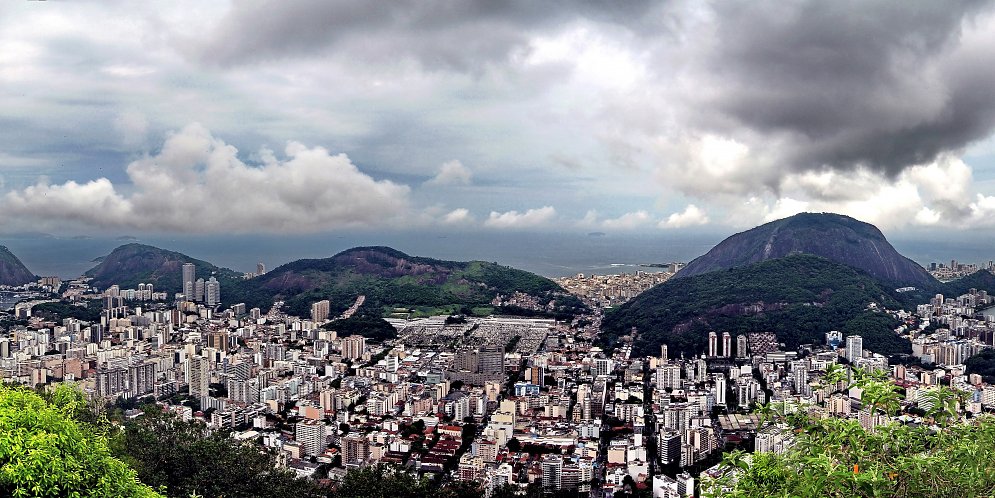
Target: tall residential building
552,472
854,347
663,352
212,292
189,275
355,450
721,386
713,344
112,381
311,434
727,344
141,378
198,290
218,340
353,347
200,376
490,359
742,350
602,366
668,376
260,268
320,310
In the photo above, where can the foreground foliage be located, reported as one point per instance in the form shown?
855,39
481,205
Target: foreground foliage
187,459
836,457
45,452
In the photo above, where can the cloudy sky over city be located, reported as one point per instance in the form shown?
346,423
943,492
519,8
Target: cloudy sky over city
314,116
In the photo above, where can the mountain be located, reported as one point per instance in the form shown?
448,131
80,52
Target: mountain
832,236
800,297
132,264
389,278
12,271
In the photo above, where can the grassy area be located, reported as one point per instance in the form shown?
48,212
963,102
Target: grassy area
483,311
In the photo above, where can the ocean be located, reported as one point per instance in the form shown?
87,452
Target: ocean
547,254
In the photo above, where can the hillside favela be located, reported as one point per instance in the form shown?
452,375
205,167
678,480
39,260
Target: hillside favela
496,249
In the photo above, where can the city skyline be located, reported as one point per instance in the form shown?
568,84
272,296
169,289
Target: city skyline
194,118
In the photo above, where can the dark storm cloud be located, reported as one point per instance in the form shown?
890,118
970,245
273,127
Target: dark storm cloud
437,33
881,85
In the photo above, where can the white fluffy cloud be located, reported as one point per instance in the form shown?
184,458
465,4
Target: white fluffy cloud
691,216
452,173
196,183
627,221
459,216
940,192
515,219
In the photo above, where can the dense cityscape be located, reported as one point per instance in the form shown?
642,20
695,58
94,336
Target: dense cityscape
497,249
498,400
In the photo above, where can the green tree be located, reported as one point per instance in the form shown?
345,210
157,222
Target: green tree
45,452
186,458
381,481
838,458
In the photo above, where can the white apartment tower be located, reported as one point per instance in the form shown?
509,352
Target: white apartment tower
854,347
212,292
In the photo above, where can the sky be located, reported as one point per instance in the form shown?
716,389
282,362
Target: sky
305,117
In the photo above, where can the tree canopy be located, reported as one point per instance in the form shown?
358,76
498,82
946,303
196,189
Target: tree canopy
837,457
45,452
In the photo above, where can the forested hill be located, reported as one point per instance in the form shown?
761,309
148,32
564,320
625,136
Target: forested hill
832,236
12,271
132,264
799,297
390,278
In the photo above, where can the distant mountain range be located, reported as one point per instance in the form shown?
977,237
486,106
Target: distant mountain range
12,270
387,277
832,236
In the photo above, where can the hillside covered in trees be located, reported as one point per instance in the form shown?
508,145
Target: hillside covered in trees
799,297
132,264
389,279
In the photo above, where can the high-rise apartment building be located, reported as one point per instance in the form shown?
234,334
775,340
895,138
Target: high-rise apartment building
212,292
742,349
112,381
189,275
490,359
320,310
200,376
713,344
353,347
141,378
721,386
854,347
727,344
552,472
198,290
355,450
312,435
